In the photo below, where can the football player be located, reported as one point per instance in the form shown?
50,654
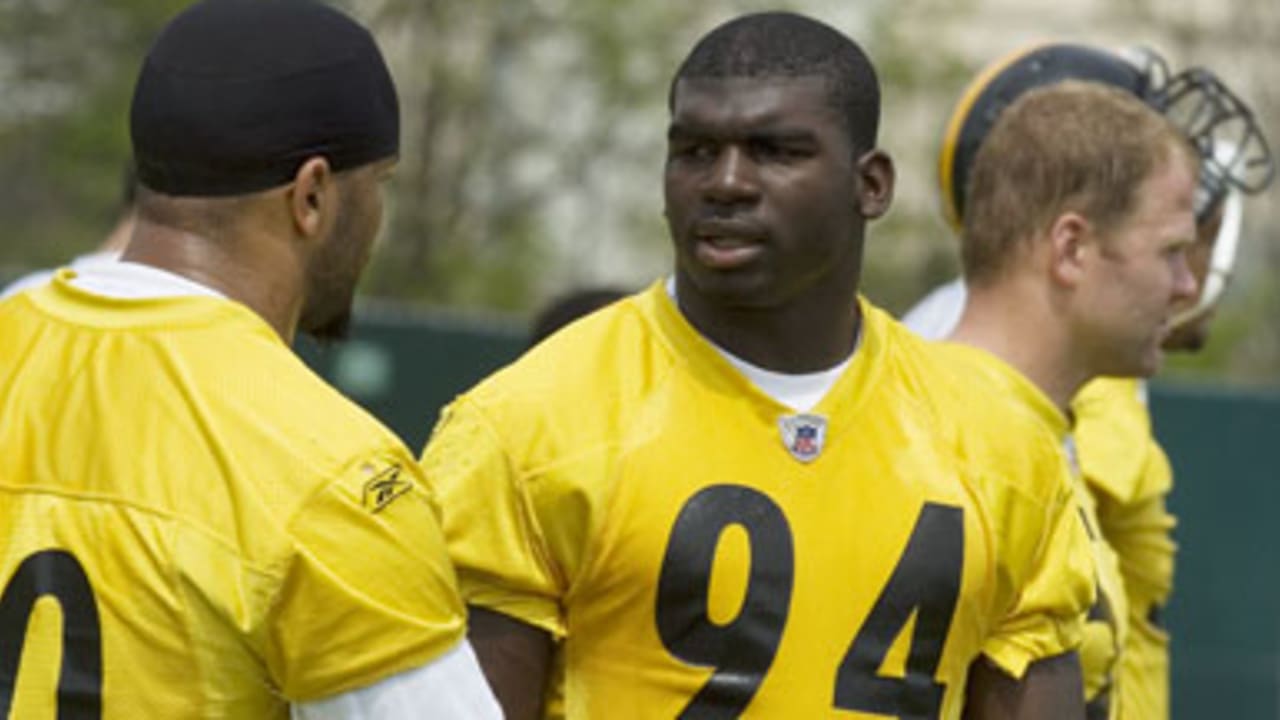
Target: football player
1074,273
194,524
744,490
1127,474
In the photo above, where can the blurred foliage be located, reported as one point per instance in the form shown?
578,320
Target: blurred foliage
521,119
533,135
66,69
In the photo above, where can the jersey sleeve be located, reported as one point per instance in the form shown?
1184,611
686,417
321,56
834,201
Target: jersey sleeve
1049,561
1118,455
1141,534
367,590
1129,476
492,528
1137,523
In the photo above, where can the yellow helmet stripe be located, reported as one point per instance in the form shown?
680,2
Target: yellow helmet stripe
951,138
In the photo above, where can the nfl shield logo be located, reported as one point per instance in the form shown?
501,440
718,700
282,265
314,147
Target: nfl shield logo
804,435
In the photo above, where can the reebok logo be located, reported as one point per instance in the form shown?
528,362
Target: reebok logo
385,487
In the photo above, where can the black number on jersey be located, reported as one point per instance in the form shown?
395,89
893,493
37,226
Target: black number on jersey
56,574
742,650
926,582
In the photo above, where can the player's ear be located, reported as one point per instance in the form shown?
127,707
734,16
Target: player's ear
875,183
1071,239
312,197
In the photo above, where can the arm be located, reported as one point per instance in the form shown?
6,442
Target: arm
512,576
516,658
1051,689
364,594
448,688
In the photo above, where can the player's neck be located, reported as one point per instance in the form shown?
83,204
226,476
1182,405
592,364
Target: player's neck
805,336
118,238
253,272
1020,329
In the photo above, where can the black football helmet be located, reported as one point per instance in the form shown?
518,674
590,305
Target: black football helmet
1234,152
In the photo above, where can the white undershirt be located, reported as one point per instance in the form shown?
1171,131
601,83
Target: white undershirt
135,281
38,278
800,392
938,313
451,687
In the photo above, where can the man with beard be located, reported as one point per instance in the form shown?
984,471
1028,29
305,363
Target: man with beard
192,521
733,492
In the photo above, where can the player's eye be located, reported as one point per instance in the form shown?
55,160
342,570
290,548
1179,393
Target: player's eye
770,150
1180,248
692,150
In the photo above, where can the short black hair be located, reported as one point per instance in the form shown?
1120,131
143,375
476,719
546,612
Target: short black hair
783,44
569,307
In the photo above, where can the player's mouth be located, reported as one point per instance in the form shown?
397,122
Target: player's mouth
724,246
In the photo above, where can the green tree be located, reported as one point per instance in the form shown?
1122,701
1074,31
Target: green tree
66,71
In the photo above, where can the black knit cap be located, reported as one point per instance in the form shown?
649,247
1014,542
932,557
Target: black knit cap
236,94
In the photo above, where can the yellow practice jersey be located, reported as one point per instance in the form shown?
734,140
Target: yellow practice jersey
1107,627
1129,477
194,525
700,549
